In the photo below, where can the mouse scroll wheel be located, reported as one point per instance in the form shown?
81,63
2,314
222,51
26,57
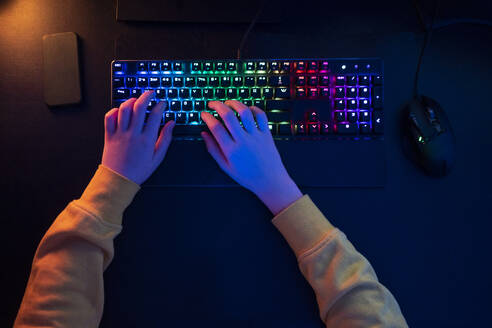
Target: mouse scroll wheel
431,113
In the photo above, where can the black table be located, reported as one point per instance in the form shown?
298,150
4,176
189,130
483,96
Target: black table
211,256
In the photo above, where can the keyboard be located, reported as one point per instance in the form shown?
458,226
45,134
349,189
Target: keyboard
305,98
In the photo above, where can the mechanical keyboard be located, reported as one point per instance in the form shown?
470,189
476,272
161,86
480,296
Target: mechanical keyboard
303,98
326,115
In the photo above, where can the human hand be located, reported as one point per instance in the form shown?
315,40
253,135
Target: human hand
248,155
130,146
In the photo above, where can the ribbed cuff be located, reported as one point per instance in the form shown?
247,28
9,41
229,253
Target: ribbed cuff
302,225
108,195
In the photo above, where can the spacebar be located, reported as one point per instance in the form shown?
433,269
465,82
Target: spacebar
187,130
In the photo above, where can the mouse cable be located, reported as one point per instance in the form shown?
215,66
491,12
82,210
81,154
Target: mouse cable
427,36
250,27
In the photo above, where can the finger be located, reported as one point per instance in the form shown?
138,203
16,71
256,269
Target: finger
154,120
245,114
110,120
214,150
261,118
162,143
139,109
229,118
125,113
218,130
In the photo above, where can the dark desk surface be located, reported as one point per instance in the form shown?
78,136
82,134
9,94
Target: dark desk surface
220,261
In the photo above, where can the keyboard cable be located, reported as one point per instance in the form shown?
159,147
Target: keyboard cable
250,27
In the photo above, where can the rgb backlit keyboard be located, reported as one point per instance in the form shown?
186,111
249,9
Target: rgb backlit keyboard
303,98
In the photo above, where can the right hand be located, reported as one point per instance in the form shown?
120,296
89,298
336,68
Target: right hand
248,155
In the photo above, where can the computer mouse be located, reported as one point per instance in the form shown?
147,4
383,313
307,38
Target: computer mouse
427,136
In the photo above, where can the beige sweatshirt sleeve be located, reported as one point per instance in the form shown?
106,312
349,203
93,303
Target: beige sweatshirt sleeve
345,284
65,287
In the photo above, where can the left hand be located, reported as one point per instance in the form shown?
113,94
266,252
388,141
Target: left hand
132,148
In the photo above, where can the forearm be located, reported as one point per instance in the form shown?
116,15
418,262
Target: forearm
65,287
346,287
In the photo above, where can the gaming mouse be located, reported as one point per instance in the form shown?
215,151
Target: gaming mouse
428,138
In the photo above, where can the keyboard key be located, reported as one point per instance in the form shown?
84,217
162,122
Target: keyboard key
118,67
365,128
220,66
378,122
142,66
196,66
199,105
364,116
187,130
352,92
300,128
261,81
187,105
196,93
160,93
184,93
249,81
339,116
285,66
118,82
278,105
193,117
178,81
154,66
346,128
312,66
121,94
166,66
135,93
324,92
377,97
220,93
284,129
340,104
175,105
323,66
231,67
340,80
313,92
313,128
325,128
273,128
190,81
324,80
208,66
154,82
340,92
364,104
201,81
181,117
250,66
231,93
301,92
243,93
177,67
208,93
142,82
225,81
364,80
261,66
312,116
300,80
300,66
213,81
274,66
172,93
267,93
166,82
130,82
248,102
278,80
282,93
377,79
237,81
169,116
278,116
352,80
259,103
255,92
352,104
313,80
364,92
352,116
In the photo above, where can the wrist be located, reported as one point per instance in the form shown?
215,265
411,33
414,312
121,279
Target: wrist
279,196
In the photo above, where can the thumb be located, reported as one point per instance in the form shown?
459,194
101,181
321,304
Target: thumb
162,143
